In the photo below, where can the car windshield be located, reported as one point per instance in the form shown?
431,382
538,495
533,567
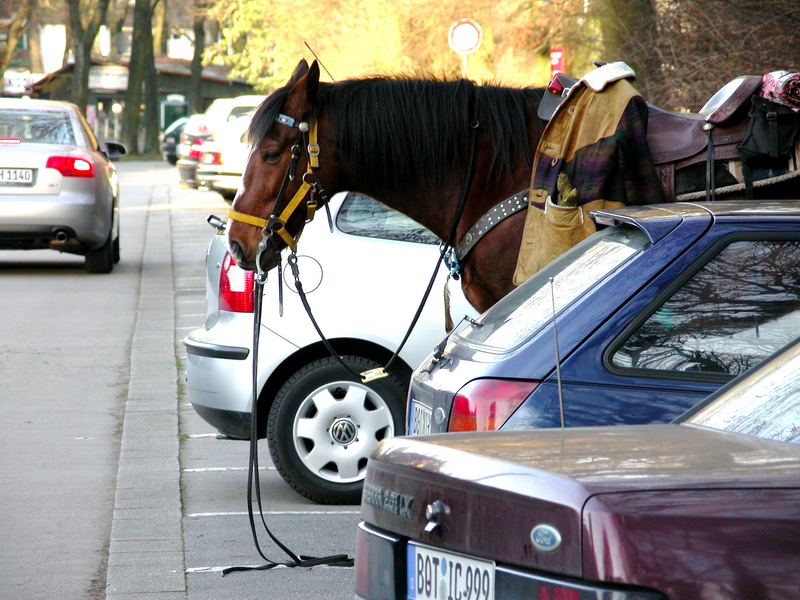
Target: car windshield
37,126
524,311
764,403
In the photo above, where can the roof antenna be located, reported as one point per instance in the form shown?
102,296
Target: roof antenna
319,61
558,356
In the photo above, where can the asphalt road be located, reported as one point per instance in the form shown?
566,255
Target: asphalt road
112,487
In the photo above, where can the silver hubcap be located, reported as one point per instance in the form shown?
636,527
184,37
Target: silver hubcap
337,427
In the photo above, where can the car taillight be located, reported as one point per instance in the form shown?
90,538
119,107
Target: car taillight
211,158
196,151
235,287
71,166
485,404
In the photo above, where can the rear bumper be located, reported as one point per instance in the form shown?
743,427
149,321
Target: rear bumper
33,221
219,371
187,169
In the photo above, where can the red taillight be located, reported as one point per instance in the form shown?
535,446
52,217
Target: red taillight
557,592
71,166
235,287
196,151
211,158
485,404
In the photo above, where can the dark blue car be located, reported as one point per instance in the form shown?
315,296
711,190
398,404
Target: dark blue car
653,313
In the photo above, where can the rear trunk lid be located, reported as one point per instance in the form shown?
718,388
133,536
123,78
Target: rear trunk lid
500,487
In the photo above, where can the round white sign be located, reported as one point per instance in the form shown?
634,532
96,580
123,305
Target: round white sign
465,36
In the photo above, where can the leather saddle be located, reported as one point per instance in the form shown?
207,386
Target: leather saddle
680,140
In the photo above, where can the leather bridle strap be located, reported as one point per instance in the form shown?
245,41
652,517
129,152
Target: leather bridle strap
277,224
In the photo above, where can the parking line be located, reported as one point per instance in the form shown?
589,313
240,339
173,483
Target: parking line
222,469
202,435
274,513
192,570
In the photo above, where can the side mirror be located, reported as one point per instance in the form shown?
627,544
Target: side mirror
115,150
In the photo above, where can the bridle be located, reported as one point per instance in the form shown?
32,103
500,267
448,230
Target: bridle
310,189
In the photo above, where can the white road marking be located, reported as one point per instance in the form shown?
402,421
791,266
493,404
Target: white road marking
222,469
273,512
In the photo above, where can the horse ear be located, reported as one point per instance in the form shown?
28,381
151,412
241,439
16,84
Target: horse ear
300,70
304,91
313,82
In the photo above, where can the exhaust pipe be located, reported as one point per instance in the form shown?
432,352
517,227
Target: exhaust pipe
61,236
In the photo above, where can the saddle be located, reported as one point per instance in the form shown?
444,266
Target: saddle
705,140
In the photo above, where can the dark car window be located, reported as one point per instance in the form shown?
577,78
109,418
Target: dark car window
765,403
729,316
365,216
37,126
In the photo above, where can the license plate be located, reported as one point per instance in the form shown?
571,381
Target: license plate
419,421
17,176
433,574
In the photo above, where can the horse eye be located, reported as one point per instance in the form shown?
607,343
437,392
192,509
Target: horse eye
271,157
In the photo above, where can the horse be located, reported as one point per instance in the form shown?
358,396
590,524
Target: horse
405,142
447,153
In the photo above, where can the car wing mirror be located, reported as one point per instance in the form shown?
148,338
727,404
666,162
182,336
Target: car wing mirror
115,150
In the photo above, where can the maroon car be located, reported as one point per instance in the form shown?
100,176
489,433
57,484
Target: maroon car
709,508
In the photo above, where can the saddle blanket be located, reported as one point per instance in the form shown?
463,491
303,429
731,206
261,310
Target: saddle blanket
782,87
593,154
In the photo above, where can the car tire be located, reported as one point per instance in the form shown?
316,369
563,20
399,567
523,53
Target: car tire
115,250
324,465
101,260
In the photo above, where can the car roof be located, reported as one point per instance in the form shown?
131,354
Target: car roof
37,104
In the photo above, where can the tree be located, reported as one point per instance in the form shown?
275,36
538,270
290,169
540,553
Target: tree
14,32
196,73
141,70
85,18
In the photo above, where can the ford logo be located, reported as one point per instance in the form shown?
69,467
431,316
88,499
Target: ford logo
545,538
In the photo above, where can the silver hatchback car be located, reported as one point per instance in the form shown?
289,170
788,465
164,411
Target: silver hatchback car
58,188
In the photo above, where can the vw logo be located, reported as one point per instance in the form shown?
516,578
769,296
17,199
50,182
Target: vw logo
343,431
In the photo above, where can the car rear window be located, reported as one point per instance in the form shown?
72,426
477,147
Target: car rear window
37,126
740,307
520,314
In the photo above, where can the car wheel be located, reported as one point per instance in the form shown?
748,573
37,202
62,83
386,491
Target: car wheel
324,425
100,260
115,250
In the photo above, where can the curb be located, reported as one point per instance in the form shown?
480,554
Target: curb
146,556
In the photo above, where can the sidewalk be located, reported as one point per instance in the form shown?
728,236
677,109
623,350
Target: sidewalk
146,558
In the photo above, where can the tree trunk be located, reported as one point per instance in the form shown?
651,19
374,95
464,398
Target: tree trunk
14,33
142,70
629,27
34,42
142,38
160,29
83,37
195,85
151,112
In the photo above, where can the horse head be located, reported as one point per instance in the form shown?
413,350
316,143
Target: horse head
279,183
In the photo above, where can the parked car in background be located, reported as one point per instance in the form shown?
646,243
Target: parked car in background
169,140
194,135
224,159
58,188
202,129
364,282
653,313
707,508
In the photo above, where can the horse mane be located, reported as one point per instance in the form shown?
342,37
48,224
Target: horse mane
397,130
